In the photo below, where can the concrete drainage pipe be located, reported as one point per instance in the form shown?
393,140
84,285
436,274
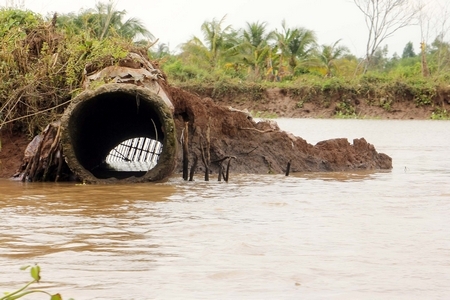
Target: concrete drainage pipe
119,133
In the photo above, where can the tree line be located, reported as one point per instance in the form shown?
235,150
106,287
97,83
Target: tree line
254,53
42,59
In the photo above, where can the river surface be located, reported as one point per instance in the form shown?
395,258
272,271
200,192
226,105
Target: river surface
364,235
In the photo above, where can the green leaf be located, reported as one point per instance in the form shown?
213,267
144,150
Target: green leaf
24,267
35,273
56,297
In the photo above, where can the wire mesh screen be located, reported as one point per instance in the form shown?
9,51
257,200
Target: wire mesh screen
137,154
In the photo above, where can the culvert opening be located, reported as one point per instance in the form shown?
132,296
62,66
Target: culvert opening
119,131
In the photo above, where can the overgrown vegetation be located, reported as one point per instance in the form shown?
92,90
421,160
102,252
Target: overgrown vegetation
42,60
42,64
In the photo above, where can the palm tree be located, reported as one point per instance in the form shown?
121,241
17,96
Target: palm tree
218,44
296,44
329,55
104,21
111,19
256,50
194,51
162,50
256,34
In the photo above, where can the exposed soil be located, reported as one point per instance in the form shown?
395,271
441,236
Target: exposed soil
278,102
258,148
11,153
262,147
285,106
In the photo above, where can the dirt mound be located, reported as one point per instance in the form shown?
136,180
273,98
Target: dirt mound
261,147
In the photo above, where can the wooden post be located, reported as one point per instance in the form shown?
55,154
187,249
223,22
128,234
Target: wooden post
185,137
205,162
208,150
288,168
228,168
193,167
207,173
220,172
205,151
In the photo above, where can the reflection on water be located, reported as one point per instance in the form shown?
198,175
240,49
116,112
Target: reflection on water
340,176
353,235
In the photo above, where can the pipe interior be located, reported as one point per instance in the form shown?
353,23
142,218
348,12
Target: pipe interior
103,122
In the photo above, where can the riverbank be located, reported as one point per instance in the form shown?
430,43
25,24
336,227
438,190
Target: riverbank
272,103
292,103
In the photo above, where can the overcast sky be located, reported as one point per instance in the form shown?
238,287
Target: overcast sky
175,21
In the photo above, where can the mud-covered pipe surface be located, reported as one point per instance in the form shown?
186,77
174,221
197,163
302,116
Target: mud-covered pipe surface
98,120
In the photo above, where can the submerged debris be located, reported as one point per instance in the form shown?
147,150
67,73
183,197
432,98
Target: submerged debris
43,157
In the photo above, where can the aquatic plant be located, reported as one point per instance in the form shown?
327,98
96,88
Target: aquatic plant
35,272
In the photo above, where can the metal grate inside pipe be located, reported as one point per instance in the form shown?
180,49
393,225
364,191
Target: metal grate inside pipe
134,155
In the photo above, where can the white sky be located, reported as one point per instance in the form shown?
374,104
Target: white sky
175,21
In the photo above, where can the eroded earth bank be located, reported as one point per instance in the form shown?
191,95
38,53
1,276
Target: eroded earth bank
216,135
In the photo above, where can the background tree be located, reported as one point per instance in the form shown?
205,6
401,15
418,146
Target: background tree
408,51
104,21
380,59
296,45
162,50
329,55
383,18
218,42
434,25
109,19
439,52
255,49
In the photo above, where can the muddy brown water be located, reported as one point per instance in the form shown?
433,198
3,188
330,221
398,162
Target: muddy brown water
355,235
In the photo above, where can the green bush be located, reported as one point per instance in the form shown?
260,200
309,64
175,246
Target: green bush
17,21
179,72
440,114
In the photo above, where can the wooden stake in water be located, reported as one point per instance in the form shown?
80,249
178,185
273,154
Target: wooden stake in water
227,175
193,167
288,168
185,141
